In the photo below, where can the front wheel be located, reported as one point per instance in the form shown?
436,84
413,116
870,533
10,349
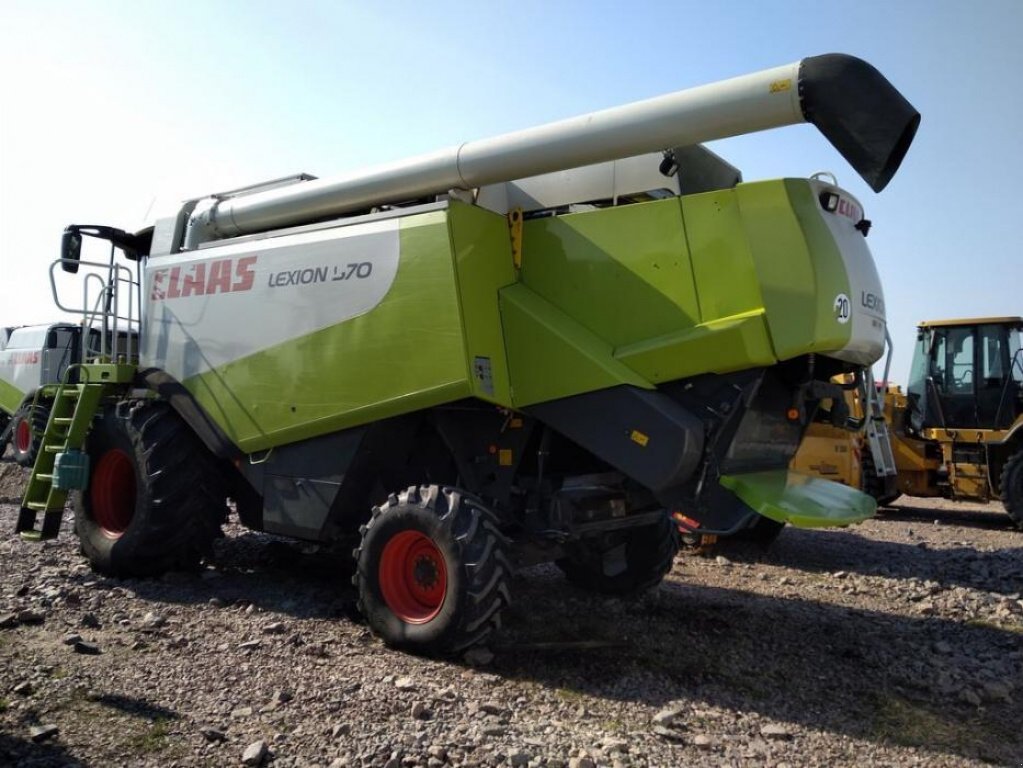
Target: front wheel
27,432
432,571
1012,488
155,501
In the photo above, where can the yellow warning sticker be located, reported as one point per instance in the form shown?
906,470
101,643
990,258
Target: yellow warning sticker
639,438
779,86
504,457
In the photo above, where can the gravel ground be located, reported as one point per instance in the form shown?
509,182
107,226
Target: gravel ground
898,642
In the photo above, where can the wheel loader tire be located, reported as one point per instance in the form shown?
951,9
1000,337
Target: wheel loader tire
649,552
1012,488
432,571
27,432
155,501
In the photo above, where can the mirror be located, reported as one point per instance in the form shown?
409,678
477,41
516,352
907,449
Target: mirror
70,250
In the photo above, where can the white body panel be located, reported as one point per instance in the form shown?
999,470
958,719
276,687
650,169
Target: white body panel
21,360
217,305
864,304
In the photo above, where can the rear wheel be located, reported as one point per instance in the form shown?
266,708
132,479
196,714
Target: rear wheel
762,532
1012,488
432,570
4,434
27,432
155,502
623,562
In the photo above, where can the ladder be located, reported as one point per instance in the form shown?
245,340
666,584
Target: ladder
878,440
61,465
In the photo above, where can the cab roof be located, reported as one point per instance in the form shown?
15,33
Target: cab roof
963,321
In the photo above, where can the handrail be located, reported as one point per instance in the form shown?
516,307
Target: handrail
106,309
1017,358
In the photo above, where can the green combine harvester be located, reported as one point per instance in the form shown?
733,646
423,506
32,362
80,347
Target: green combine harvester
544,346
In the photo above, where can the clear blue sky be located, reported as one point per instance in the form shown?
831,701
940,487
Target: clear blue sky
108,109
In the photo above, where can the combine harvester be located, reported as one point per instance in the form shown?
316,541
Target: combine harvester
34,359
528,348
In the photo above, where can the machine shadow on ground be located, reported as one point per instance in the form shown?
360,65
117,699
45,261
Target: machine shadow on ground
846,550
855,672
906,510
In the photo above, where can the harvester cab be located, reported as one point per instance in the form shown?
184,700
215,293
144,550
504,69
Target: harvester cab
526,348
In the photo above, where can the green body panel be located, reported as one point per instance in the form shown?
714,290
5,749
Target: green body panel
406,354
722,258
798,266
709,283
622,273
10,397
801,500
483,264
729,344
553,356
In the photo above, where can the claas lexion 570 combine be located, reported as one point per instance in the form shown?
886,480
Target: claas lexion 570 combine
537,347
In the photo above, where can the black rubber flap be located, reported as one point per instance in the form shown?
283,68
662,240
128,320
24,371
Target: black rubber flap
863,116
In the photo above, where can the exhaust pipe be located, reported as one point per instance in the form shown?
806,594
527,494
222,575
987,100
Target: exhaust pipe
864,117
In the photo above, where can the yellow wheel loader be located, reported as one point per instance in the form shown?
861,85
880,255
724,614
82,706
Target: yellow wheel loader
957,430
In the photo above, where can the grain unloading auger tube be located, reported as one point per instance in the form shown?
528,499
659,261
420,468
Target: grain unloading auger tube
402,361
863,116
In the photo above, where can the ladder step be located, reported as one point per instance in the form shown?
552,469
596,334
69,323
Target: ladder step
62,421
36,506
44,478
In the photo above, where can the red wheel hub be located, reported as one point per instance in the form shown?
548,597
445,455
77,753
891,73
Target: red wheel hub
23,436
413,577
112,492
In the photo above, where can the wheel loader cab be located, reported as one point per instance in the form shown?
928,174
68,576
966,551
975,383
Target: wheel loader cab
967,374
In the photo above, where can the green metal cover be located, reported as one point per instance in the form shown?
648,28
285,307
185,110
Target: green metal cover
801,500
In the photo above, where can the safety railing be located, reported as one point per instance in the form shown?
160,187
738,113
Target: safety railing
110,309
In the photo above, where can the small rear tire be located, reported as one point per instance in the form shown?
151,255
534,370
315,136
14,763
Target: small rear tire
762,532
1012,488
27,432
645,555
432,571
155,501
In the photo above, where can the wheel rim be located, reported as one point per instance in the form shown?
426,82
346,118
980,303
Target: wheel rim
23,437
413,577
112,493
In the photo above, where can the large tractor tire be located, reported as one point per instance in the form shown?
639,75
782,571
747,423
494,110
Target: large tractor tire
5,435
1012,488
27,432
155,500
645,557
432,571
